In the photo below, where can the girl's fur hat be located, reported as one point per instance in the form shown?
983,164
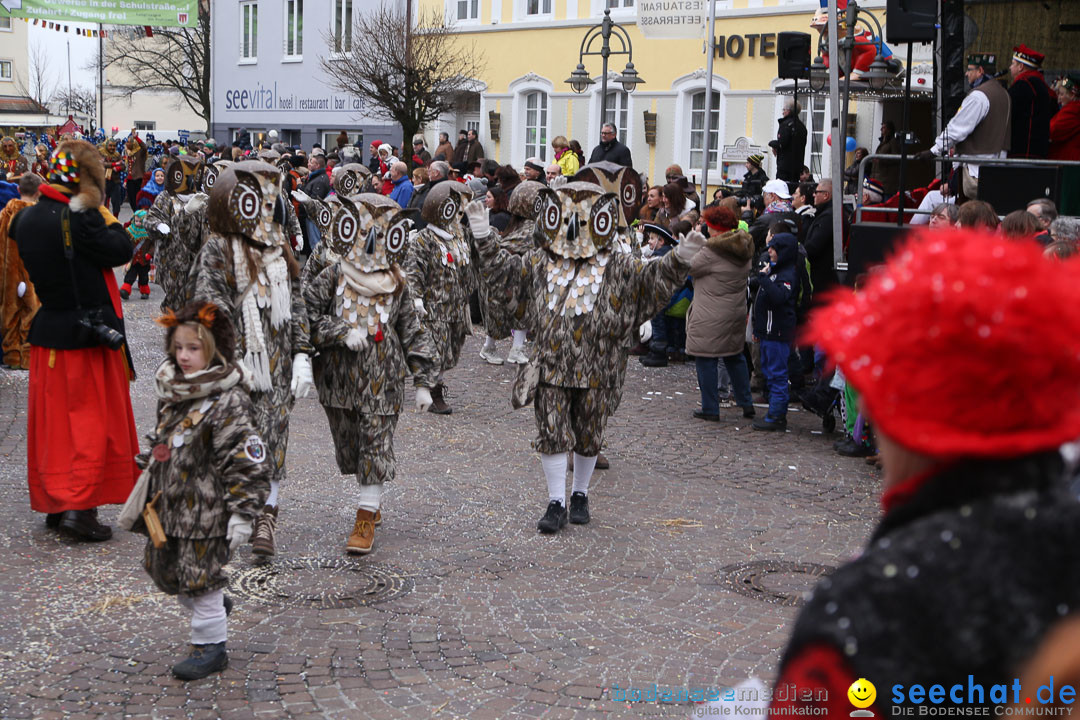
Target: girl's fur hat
209,316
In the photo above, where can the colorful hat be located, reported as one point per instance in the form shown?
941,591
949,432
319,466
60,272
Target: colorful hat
875,188
756,159
64,168
986,61
924,340
1026,56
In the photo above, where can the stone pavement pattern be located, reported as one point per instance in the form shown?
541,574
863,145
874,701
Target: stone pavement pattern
463,610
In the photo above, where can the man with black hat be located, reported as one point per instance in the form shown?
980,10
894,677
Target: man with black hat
755,178
1032,105
981,127
790,142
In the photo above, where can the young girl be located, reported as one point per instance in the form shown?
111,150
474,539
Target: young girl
208,472
140,261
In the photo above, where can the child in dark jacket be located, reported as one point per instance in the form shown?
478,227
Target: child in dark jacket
774,324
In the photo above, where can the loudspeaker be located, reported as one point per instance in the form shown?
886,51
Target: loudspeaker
1013,187
910,21
869,245
793,55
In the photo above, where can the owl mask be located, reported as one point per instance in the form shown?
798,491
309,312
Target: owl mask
211,172
527,199
182,174
321,212
349,179
370,231
244,200
578,220
444,206
623,181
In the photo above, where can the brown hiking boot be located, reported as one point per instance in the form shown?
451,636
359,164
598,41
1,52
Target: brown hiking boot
363,534
438,401
262,535
378,518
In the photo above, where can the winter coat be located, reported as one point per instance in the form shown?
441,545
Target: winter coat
759,229
1033,105
317,184
716,321
568,161
1065,132
887,172
417,201
402,192
612,151
791,135
778,290
819,249
445,150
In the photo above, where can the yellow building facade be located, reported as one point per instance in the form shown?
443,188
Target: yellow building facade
530,48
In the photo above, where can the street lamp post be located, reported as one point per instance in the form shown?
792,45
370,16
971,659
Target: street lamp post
580,80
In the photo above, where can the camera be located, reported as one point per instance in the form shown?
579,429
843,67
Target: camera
94,328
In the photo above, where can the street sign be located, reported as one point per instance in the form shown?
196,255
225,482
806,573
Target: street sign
672,19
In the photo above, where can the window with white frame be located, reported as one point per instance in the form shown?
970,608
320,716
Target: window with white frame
617,4
5,70
342,26
294,29
5,23
815,124
146,125
249,30
330,137
466,9
536,121
616,111
697,130
537,7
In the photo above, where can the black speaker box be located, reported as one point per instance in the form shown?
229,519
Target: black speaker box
910,21
1013,187
793,55
869,245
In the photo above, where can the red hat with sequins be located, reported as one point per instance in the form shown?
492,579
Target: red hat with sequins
1026,56
963,345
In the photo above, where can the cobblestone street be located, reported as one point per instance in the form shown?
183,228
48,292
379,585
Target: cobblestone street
704,535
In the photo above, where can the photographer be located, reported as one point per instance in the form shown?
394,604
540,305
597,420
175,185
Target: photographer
81,440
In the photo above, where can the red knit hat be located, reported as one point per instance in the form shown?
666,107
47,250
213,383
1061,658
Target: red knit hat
965,344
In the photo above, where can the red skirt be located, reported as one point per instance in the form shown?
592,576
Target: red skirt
81,441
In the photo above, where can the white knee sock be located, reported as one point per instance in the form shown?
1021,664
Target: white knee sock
370,497
555,472
519,337
272,499
489,344
583,470
208,621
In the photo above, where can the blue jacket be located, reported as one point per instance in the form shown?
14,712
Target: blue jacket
402,192
774,305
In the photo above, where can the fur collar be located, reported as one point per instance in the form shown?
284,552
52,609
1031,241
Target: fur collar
736,244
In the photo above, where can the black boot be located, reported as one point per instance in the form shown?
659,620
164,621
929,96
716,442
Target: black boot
654,359
204,660
438,401
84,525
579,508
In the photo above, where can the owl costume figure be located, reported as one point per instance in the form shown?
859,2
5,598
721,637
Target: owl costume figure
583,302
368,334
246,268
347,182
176,225
441,278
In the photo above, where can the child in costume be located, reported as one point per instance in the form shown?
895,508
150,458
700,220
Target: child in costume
140,261
247,268
205,473
369,336
584,303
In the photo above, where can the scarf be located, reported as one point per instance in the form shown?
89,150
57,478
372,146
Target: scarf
778,206
172,387
151,187
271,288
364,299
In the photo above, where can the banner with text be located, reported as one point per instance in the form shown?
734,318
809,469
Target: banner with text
672,19
157,13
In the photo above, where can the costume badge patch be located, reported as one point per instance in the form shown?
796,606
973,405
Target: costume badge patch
254,449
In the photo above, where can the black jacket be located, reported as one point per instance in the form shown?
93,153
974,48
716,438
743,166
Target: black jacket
791,135
612,151
417,202
819,249
98,247
317,184
778,292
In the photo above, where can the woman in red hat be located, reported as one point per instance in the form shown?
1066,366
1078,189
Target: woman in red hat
964,352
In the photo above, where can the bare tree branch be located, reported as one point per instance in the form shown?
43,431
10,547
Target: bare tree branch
410,91
174,59
80,100
40,83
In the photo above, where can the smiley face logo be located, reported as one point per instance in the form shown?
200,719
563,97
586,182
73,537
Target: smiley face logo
862,693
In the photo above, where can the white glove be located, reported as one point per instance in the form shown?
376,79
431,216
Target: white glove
300,196
558,182
645,331
423,399
419,305
196,203
163,228
302,380
299,240
688,246
239,531
355,341
478,219
646,251
22,289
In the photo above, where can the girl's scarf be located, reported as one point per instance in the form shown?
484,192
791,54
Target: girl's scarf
171,386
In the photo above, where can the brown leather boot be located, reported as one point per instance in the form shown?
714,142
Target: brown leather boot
438,401
262,536
362,537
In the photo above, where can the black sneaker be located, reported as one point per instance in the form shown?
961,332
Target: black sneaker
850,448
227,602
749,411
204,660
579,508
767,423
553,519
654,360
700,416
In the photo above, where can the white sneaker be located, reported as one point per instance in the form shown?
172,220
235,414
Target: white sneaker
490,356
516,356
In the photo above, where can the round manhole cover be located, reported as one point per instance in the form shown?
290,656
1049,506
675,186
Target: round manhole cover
321,583
782,583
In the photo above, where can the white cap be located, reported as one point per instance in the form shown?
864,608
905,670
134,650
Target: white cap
778,188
